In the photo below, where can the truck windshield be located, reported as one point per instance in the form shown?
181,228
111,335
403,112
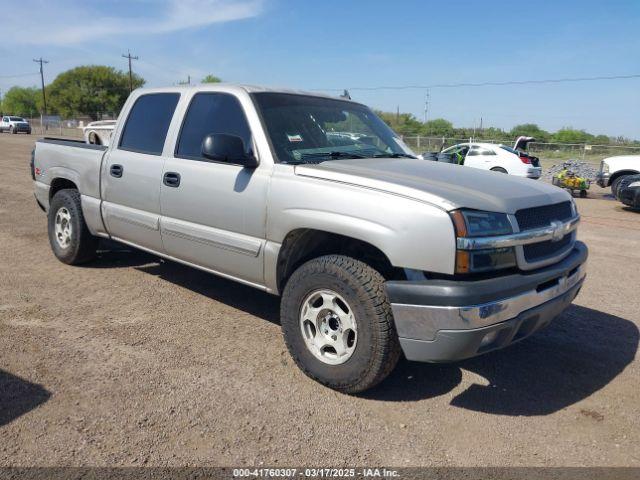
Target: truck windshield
16,119
308,129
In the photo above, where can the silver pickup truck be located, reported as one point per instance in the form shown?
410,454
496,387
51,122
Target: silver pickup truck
374,252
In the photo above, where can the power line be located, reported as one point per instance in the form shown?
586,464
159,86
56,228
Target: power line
44,97
19,75
128,55
485,84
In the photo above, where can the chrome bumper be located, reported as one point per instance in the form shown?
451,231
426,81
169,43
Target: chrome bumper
439,333
602,179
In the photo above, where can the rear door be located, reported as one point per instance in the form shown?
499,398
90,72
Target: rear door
479,157
214,213
132,172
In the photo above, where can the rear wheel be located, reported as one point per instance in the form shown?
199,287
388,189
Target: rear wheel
338,325
498,169
69,237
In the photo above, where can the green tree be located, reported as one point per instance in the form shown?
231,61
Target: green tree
404,123
571,135
90,90
529,130
438,127
22,101
211,79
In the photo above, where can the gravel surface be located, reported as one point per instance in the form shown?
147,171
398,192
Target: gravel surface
580,168
133,361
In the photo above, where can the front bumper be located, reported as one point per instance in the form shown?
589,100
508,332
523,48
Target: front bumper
602,179
445,320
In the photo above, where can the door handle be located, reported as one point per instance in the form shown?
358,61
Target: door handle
116,170
171,179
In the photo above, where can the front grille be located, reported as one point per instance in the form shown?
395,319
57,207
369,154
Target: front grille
536,217
537,252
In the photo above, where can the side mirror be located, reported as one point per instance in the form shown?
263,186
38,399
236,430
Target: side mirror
222,147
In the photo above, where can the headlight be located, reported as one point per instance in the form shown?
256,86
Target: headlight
604,167
634,184
474,223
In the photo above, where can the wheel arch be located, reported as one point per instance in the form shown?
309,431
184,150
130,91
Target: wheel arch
61,183
621,173
304,244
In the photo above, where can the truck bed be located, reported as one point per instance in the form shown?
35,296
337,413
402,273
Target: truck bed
73,160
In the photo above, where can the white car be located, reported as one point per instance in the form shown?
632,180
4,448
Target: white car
13,124
498,158
614,169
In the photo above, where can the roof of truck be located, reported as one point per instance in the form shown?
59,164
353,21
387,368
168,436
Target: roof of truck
234,87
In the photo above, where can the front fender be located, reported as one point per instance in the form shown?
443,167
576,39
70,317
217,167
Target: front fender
412,234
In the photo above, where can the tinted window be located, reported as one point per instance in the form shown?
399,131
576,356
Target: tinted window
16,119
148,122
211,113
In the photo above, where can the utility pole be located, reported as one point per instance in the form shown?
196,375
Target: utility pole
426,105
44,97
128,55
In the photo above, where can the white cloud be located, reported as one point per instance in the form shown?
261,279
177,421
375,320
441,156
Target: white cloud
71,22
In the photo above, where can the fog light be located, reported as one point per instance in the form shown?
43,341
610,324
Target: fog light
489,338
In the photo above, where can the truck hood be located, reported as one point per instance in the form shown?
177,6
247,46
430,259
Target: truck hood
447,186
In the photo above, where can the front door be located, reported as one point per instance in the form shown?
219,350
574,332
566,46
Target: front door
132,172
213,213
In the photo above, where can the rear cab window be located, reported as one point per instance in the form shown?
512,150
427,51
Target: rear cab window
146,128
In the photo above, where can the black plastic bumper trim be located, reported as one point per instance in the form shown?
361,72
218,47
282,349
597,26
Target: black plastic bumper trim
451,293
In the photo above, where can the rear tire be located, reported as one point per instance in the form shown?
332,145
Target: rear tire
359,290
498,169
69,237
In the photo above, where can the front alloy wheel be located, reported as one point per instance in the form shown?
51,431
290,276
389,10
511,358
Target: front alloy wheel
328,327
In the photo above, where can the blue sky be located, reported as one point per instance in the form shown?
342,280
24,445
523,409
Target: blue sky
327,44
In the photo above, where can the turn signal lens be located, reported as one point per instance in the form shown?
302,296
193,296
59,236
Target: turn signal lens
459,223
463,262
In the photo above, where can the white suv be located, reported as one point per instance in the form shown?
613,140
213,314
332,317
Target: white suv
498,158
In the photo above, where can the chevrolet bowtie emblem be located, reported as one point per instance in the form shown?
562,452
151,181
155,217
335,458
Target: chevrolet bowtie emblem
558,231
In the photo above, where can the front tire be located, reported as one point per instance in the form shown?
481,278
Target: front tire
337,323
615,185
69,237
12,130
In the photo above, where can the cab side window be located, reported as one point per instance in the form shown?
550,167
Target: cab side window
148,122
209,113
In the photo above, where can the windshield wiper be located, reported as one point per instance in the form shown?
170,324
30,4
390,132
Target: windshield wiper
394,155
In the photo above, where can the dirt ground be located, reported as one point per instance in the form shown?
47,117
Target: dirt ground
133,361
